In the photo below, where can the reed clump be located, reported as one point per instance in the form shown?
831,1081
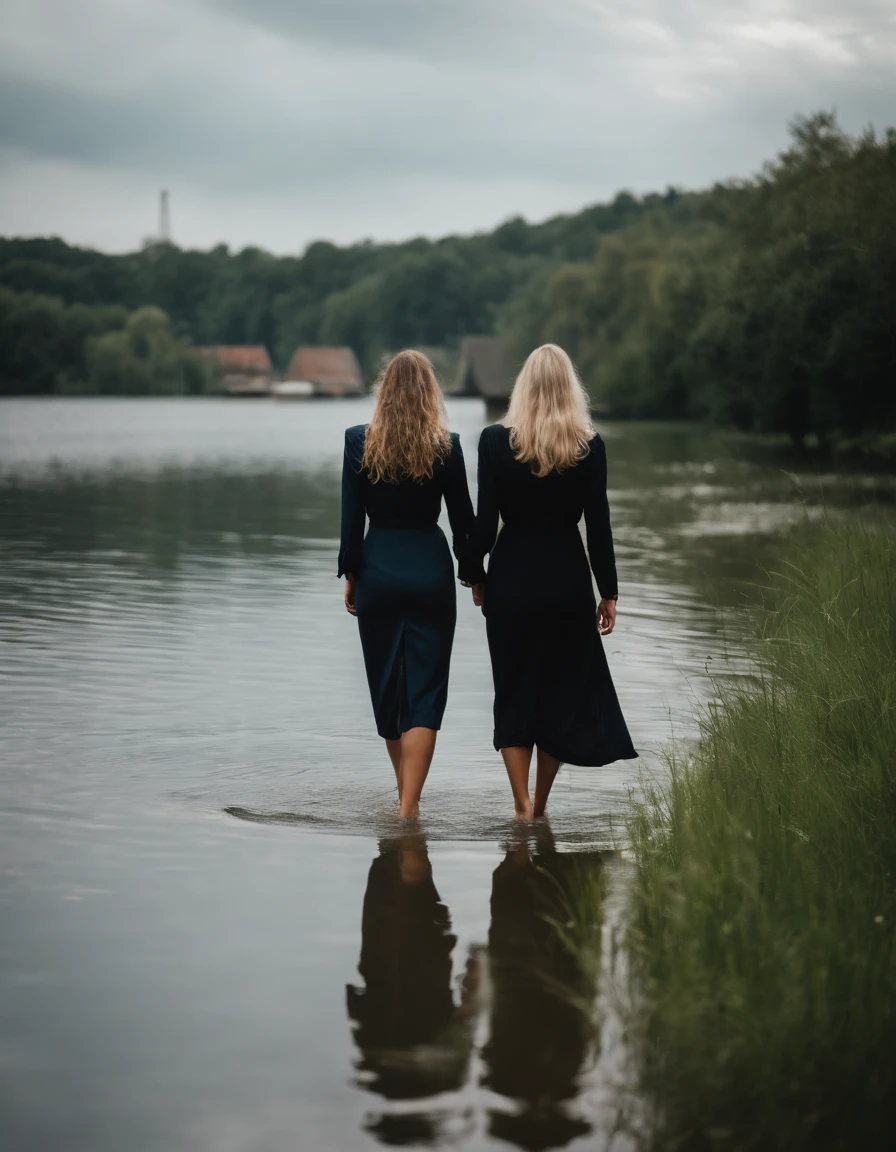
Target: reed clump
763,919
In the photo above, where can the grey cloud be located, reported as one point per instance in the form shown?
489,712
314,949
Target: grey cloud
342,93
497,30
251,146
431,29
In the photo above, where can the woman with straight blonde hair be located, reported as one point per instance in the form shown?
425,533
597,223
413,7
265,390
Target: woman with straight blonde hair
542,468
399,578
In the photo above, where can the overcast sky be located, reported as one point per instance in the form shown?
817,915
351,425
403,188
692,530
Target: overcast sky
276,122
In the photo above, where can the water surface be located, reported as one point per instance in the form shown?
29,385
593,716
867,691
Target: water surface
215,933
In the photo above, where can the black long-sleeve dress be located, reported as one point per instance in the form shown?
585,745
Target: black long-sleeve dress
404,582
552,684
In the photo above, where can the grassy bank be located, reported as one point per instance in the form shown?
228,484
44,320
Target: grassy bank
763,922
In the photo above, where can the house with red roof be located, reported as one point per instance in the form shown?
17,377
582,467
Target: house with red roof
245,369
330,371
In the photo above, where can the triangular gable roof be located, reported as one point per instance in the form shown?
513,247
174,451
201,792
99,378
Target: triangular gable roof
484,369
326,367
238,358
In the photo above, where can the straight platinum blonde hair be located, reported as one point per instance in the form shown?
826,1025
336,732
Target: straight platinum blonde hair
548,415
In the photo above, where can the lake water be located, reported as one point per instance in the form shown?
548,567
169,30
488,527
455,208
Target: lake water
214,933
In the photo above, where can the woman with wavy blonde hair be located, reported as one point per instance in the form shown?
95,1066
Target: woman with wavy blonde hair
399,578
542,469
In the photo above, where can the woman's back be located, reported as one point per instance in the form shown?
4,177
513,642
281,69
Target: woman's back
544,503
536,507
406,503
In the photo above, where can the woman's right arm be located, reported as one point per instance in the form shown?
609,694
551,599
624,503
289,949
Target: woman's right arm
352,536
485,529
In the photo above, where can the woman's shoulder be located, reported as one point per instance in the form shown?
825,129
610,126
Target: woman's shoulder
596,452
494,433
454,457
454,447
354,444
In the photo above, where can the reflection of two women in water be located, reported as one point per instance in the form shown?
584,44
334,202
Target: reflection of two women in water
416,1039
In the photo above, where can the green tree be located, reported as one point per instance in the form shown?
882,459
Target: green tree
42,340
143,359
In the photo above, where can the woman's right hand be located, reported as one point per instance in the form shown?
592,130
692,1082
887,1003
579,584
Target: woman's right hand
606,616
478,595
350,595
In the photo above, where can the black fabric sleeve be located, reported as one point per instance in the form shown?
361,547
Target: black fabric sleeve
486,528
457,500
597,523
352,537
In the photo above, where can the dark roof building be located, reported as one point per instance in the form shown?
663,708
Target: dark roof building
245,369
332,371
484,369
239,359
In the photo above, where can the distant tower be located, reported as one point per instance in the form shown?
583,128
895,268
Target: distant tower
164,220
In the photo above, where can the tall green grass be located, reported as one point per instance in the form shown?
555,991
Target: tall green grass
763,919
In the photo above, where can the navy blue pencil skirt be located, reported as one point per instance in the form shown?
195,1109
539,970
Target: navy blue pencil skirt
407,609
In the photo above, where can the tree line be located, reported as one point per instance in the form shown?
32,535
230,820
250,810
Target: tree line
768,304
773,308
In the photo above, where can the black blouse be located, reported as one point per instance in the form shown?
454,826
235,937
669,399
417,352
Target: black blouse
541,505
407,504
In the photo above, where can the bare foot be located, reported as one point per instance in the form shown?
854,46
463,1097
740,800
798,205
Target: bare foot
408,812
522,814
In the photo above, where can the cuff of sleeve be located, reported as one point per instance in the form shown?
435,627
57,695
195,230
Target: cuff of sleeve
348,563
470,571
471,576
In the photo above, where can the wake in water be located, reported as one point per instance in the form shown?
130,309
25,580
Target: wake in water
580,816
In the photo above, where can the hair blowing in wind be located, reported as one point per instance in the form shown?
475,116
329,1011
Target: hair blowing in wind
548,415
407,435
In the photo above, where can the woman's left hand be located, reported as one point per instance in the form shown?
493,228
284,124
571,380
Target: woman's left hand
350,595
478,595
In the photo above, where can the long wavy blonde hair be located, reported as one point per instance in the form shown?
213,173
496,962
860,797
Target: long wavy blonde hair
548,415
407,435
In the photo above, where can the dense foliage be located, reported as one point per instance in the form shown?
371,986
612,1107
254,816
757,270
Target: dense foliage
768,304
144,358
48,346
772,308
763,922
